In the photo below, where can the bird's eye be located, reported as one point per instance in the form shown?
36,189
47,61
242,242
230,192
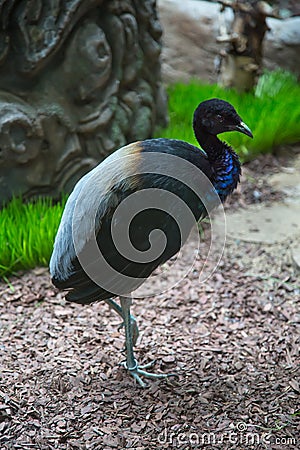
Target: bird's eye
220,118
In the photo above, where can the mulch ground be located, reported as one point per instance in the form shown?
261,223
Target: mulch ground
233,341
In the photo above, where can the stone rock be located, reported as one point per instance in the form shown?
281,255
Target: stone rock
282,44
190,29
79,78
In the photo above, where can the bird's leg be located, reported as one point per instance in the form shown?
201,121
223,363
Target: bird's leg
135,330
131,363
130,359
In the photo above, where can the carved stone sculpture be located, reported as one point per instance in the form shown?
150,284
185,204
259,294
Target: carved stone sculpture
78,79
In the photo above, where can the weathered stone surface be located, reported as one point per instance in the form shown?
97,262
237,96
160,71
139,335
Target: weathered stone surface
282,44
78,79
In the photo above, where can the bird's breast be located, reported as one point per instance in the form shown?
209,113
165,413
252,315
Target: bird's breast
226,175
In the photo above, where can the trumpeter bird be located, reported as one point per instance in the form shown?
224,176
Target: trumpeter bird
89,260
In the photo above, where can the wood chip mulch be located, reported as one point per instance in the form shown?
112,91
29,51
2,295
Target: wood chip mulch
233,341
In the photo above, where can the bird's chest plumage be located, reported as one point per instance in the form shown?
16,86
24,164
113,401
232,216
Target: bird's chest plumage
226,174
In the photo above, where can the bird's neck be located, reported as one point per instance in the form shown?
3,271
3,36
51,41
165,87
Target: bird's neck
224,163
213,147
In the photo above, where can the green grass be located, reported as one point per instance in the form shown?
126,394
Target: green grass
27,234
272,112
27,231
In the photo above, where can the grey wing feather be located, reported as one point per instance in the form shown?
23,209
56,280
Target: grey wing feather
92,198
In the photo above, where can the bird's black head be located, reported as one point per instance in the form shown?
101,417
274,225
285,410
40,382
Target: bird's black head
216,116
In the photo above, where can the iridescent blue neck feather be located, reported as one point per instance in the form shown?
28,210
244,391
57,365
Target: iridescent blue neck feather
227,173
224,163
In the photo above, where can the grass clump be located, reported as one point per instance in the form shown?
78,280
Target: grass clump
272,112
27,232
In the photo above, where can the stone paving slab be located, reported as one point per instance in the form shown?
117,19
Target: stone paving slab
265,224
289,183
275,223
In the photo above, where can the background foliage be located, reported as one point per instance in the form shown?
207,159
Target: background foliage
272,112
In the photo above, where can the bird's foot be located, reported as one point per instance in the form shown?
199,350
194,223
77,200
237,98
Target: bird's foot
134,329
137,371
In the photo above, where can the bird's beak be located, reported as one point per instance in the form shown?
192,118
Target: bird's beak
243,128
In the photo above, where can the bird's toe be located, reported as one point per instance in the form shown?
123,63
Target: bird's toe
138,371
